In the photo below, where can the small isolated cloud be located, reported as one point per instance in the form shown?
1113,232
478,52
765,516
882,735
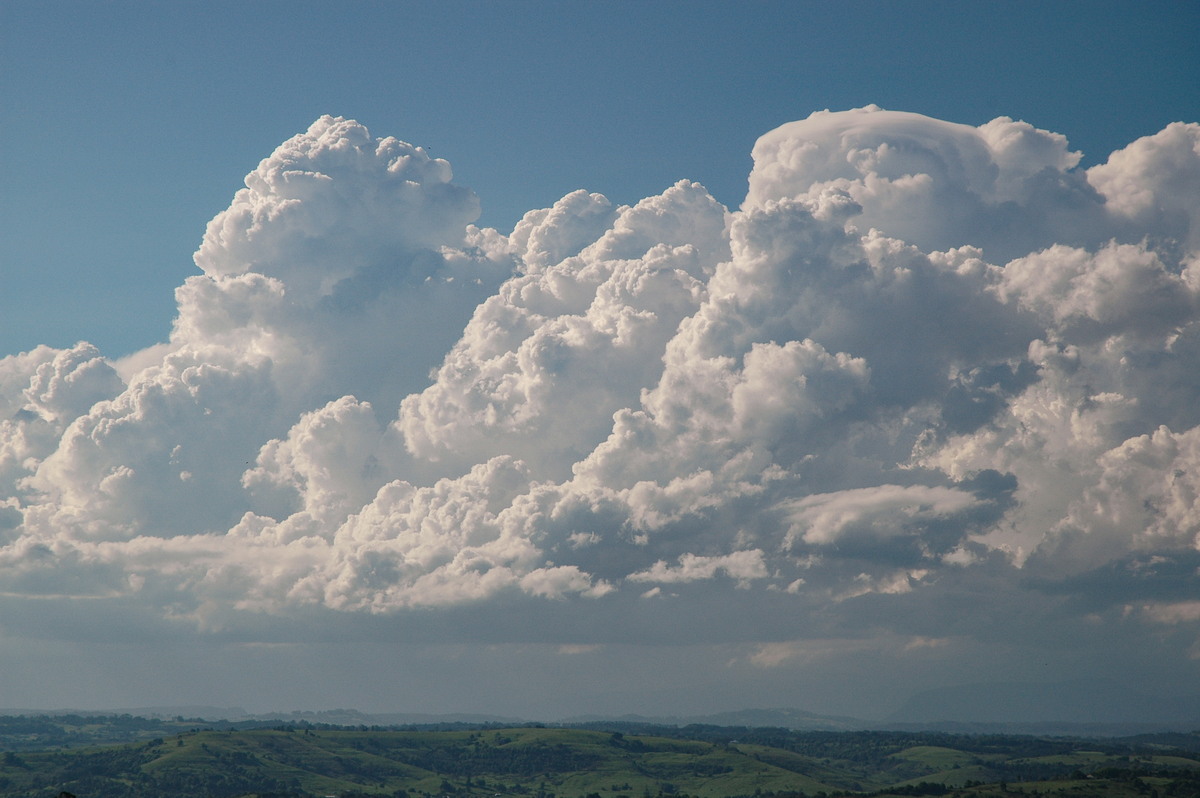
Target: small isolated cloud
1181,612
926,376
825,519
742,566
918,643
772,655
778,654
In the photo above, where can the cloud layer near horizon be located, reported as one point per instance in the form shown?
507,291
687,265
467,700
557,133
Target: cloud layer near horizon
921,362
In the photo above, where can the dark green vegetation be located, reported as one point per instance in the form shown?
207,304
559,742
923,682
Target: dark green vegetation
45,756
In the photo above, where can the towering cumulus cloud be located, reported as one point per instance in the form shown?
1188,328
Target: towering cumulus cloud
922,360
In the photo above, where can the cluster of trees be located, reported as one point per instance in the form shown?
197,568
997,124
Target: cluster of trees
476,756
1168,782
39,732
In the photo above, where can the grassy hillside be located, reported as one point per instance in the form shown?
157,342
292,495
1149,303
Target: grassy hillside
539,762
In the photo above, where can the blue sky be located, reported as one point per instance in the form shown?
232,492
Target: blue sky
129,124
893,397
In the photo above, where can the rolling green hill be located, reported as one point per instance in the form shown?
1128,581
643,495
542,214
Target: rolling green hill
537,762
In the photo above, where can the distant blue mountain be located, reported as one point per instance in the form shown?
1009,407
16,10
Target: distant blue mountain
1077,708
1077,702
795,719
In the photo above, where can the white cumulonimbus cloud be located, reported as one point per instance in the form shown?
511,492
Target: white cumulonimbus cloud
918,350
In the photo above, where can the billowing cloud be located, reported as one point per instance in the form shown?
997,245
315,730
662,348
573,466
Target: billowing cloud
42,392
543,364
920,358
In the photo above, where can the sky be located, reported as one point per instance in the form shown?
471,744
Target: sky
543,359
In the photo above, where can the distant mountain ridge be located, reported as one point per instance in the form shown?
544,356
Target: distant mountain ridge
331,717
1084,703
1078,708
795,719
783,718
